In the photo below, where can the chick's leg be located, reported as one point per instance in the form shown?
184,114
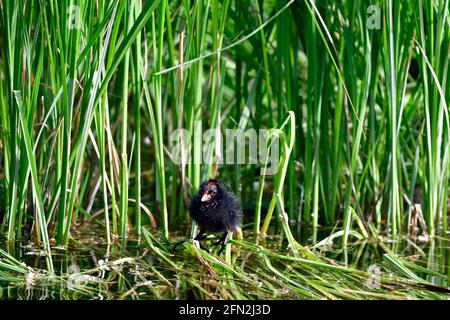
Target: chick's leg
223,241
201,236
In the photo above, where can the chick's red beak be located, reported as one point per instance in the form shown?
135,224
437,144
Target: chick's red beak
206,197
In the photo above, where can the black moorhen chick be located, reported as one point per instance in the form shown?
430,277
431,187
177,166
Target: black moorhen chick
215,209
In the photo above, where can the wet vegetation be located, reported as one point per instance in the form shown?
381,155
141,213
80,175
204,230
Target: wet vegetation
354,93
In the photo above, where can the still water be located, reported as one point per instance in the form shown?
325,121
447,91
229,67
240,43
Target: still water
90,269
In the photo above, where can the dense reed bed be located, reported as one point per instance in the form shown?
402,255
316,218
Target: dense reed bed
354,93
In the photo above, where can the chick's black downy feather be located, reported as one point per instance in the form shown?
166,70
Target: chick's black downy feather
221,213
215,209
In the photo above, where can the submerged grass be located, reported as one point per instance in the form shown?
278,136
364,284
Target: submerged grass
356,93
